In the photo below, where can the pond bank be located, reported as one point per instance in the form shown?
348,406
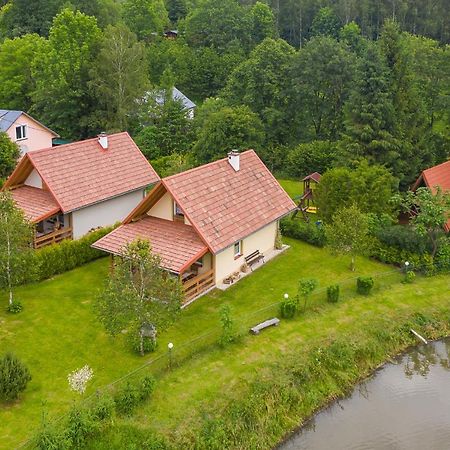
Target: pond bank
403,405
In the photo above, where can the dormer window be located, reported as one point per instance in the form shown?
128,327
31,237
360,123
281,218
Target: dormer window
178,214
21,132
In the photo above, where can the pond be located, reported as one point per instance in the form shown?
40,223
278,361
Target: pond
404,405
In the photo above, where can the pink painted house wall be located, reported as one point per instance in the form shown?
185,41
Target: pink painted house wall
37,136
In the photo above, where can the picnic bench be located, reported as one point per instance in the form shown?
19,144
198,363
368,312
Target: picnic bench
267,323
253,258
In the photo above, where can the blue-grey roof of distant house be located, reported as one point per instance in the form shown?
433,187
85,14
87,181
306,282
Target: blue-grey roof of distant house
176,95
9,116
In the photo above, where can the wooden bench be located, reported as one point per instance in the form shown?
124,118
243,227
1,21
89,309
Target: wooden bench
253,258
267,323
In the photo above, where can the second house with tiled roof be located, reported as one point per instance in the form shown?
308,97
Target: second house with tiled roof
207,222
67,191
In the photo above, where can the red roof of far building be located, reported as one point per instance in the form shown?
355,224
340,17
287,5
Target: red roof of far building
36,204
313,176
177,244
225,206
437,176
83,173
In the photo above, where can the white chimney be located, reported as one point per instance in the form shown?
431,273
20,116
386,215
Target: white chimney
233,159
103,140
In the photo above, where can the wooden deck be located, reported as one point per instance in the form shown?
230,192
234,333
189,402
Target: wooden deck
52,238
197,285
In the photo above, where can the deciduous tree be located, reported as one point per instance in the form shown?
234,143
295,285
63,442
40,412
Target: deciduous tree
16,235
9,154
348,233
138,294
119,77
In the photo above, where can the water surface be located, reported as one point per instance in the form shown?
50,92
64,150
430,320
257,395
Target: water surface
405,405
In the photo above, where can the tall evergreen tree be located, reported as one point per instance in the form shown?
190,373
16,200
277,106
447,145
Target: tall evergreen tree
370,118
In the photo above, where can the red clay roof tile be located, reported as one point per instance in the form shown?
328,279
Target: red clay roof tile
37,204
83,173
225,206
177,244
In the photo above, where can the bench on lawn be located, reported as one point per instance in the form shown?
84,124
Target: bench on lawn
267,323
254,257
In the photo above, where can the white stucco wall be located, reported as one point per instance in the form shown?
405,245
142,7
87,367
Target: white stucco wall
34,180
105,213
37,136
263,240
163,209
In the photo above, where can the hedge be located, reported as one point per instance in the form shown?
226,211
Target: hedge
68,254
390,254
299,229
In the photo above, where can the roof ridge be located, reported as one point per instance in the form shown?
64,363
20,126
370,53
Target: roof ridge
41,150
204,165
437,165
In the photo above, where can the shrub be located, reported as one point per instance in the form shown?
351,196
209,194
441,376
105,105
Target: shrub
409,276
14,307
80,426
135,343
305,289
147,386
404,238
298,229
288,308
364,285
228,334
14,377
49,437
103,407
442,258
127,398
333,293
67,255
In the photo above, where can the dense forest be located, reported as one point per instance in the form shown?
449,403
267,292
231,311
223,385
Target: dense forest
310,84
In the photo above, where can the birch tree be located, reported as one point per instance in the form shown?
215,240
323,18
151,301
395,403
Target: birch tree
15,244
138,294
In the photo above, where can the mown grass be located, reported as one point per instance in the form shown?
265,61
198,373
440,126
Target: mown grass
293,187
57,332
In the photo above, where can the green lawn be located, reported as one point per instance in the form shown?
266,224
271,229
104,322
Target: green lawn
57,333
293,187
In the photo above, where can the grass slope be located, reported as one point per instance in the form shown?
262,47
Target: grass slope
57,333
293,187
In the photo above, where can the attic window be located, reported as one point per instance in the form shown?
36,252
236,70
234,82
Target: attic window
177,212
21,132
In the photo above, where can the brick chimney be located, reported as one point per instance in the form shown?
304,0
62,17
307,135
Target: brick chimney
103,140
233,159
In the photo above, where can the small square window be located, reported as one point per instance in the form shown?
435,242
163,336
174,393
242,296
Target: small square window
21,132
238,249
177,211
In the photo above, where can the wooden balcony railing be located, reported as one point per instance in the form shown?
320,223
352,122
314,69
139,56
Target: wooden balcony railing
52,238
197,285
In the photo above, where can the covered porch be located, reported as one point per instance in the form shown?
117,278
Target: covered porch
182,252
40,208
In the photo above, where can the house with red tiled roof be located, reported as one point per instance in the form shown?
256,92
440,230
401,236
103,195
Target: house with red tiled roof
68,190
433,178
207,222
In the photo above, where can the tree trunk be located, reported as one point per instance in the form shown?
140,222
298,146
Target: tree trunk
352,264
141,343
8,264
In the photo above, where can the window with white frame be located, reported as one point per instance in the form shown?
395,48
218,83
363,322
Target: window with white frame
177,211
21,132
238,249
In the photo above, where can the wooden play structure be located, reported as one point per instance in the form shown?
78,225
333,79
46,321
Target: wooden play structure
306,201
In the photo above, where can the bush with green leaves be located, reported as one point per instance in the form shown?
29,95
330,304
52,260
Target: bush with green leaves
404,238
288,307
305,289
333,293
14,307
14,377
409,277
299,229
364,285
131,394
228,334
67,255
149,344
80,427
103,407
